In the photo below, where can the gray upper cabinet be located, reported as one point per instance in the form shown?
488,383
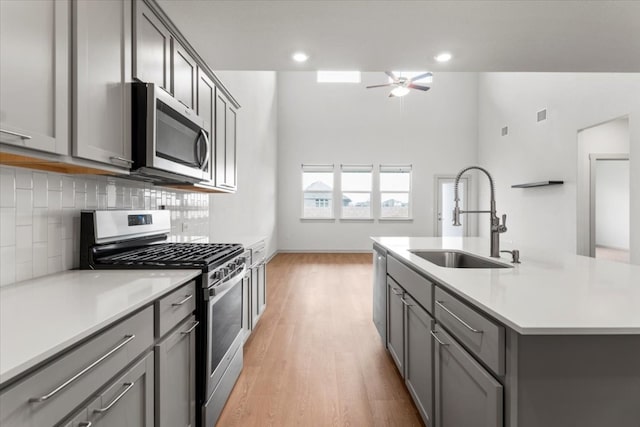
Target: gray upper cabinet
225,143
151,47
466,395
395,323
176,376
183,75
206,110
34,74
102,58
418,349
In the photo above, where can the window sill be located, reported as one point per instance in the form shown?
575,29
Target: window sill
357,219
395,219
317,219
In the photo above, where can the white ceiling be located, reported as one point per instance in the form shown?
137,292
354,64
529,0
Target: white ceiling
370,35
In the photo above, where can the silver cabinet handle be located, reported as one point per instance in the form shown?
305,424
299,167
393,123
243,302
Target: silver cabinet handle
127,387
188,331
121,159
208,147
405,302
85,424
466,325
64,385
433,334
396,291
179,303
19,135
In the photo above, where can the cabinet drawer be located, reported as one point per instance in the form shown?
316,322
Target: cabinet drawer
257,254
417,286
481,336
173,308
49,394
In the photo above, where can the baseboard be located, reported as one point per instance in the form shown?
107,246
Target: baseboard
325,251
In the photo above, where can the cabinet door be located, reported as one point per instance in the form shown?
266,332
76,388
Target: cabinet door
246,305
183,75
34,74
262,288
128,401
395,323
419,357
225,170
466,395
206,110
151,46
380,293
255,300
175,377
102,57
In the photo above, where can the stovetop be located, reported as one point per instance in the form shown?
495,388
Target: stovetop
206,256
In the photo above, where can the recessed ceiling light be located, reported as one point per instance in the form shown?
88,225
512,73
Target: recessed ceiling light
443,57
300,57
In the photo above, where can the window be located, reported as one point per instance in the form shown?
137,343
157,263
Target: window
356,191
338,77
395,191
317,191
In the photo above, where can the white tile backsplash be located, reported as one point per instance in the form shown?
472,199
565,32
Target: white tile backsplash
41,216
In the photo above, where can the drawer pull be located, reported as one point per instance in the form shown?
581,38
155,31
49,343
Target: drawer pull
85,424
404,301
127,387
128,339
433,334
466,325
19,135
188,331
120,159
396,291
178,304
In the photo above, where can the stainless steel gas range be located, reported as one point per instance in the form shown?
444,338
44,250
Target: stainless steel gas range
138,239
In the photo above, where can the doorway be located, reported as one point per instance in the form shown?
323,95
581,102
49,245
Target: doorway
603,196
445,204
609,208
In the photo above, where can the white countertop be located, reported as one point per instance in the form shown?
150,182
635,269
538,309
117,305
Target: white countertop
40,317
246,241
549,293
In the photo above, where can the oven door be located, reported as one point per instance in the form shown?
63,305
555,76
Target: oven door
224,328
176,140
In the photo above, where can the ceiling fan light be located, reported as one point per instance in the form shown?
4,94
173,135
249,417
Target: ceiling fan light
400,91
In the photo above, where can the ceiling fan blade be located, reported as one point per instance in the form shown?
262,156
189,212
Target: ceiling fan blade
391,75
421,76
414,86
386,84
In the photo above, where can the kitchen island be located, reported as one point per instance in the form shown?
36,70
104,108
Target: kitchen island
553,341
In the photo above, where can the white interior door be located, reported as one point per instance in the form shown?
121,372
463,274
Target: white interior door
445,204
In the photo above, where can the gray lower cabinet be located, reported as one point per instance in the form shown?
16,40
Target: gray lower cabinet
418,350
34,74
395,323
246,305
466,395
380,292
102,60
175,377
127,401
258,293
262,288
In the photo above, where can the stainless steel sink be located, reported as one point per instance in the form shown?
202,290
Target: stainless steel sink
457,259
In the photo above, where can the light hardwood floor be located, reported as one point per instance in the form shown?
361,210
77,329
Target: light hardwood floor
315,358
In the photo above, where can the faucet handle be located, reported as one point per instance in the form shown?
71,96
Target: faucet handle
503,227
504,219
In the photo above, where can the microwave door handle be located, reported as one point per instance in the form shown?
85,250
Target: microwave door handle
207,146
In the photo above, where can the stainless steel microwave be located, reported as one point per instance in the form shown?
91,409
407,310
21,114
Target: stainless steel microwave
169,140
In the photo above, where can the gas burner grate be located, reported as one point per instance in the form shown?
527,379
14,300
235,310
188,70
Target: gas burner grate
175,254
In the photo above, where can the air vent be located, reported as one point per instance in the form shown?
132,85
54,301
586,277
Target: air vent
542,115
504,131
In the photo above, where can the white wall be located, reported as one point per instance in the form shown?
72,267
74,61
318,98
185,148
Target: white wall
251,211
435,131
612,203
532,151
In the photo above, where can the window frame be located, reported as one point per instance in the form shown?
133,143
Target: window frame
371,192
318,168
407,168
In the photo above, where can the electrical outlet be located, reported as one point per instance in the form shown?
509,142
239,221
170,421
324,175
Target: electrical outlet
542,115
504,131
185,226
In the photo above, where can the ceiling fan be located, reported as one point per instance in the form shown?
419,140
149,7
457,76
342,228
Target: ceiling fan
403,84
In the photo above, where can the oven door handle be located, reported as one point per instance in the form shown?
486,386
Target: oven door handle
225,286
